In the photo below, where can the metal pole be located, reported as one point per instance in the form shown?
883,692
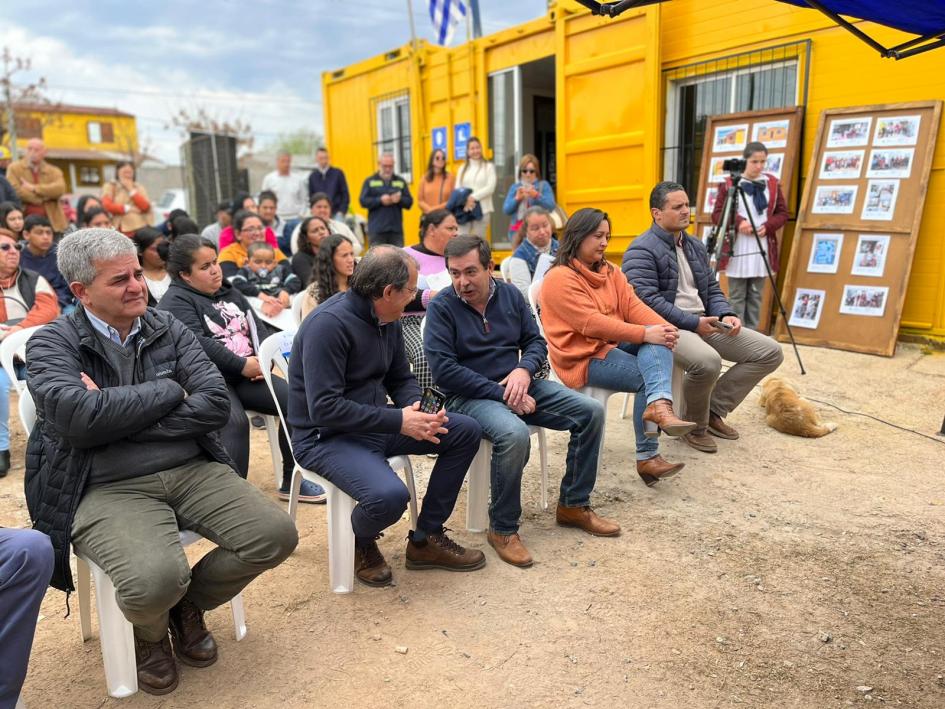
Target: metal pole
413,29
477,23
8,98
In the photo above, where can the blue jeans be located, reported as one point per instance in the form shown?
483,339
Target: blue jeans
356,463
26,565
636,368
557,408
285,238
5,404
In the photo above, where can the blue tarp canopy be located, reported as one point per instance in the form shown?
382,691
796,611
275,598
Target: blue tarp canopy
923,18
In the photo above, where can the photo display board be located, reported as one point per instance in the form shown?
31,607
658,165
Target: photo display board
858,224
726,137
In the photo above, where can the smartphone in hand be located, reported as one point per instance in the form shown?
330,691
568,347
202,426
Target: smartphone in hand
723,326
432,401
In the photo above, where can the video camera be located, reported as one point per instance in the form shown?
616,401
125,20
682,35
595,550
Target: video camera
735,167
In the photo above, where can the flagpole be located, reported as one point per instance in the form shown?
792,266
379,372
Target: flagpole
413,29
469,27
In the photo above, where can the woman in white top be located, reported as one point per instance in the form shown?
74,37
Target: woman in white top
478,175
151,256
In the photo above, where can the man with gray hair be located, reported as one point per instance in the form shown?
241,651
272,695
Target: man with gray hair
125,454
347,359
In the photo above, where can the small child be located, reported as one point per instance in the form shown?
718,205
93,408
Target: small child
265,279
39,255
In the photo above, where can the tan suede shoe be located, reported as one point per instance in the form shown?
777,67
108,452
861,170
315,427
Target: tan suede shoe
510,549
585,518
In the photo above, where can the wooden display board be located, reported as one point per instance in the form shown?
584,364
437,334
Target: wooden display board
858,224
726,137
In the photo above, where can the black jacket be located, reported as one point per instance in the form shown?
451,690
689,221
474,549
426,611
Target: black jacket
649,263
212,322
179,395
343,366
381,218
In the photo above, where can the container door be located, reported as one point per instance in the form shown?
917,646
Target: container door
608,109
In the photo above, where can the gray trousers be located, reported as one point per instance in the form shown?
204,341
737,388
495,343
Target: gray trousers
755,356
130,529
744,295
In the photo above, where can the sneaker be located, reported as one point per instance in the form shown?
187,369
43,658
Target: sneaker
309,492
438,551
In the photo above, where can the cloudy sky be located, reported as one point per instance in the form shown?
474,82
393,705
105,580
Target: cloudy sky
259,61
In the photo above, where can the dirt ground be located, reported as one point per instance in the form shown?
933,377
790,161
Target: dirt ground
781,572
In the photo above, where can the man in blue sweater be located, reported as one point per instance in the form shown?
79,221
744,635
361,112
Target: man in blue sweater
347,358
484,349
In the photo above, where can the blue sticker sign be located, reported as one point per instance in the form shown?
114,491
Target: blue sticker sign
439,138
461,133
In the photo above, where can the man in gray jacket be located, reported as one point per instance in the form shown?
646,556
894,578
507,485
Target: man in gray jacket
125,453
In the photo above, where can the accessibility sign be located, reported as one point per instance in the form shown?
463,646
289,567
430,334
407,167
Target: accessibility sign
461,133
439,138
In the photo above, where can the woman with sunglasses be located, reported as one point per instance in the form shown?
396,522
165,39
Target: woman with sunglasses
529,191
436,185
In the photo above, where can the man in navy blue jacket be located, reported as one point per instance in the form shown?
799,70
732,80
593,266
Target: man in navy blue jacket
484,350
347,358
386,195
670,272
331,180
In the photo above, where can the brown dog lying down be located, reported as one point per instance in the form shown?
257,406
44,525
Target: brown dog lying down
789,413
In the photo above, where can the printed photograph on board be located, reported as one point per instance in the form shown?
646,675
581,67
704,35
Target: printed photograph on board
709,204
870,256
716,172
808,305
890,163
730,139
772,133
834,199
880,203
774,163
825,253
897,130
842,165
849,132
864,300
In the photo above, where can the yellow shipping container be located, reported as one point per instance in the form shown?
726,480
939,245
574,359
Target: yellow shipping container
611,106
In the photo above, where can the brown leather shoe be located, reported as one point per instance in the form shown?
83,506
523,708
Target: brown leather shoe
438,551
718,427
701,441
654,469
659,415
193,643
370,566
585,518
157,671
510,549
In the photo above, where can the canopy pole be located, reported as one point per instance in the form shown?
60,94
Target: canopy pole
851,28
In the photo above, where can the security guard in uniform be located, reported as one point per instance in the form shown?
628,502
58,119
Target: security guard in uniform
385,195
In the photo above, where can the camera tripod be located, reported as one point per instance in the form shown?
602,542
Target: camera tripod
726,229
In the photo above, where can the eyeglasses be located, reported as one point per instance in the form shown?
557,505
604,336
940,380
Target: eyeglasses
253,230
528,170
7,247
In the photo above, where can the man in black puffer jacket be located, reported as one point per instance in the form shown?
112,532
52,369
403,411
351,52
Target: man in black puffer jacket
124,453
669,270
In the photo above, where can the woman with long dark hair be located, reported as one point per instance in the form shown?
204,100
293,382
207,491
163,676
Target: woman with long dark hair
11,219
601,334
436,230
152,254
436,185
334,266
312,232
201,298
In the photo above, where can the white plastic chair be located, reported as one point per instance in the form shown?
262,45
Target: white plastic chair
273,353
480,475
116,634
505,268
297,306
272,432
14,345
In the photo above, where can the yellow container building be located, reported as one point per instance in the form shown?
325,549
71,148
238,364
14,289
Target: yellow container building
612,106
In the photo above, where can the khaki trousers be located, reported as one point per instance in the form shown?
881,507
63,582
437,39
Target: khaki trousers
754,355
130,529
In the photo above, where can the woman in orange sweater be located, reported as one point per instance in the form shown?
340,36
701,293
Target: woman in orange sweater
436,185
600,334
126,201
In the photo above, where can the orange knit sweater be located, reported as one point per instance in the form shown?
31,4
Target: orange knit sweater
585,314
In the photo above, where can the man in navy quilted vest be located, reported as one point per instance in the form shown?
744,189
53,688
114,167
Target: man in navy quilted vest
669,269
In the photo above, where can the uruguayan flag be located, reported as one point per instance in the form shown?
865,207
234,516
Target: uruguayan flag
446,14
